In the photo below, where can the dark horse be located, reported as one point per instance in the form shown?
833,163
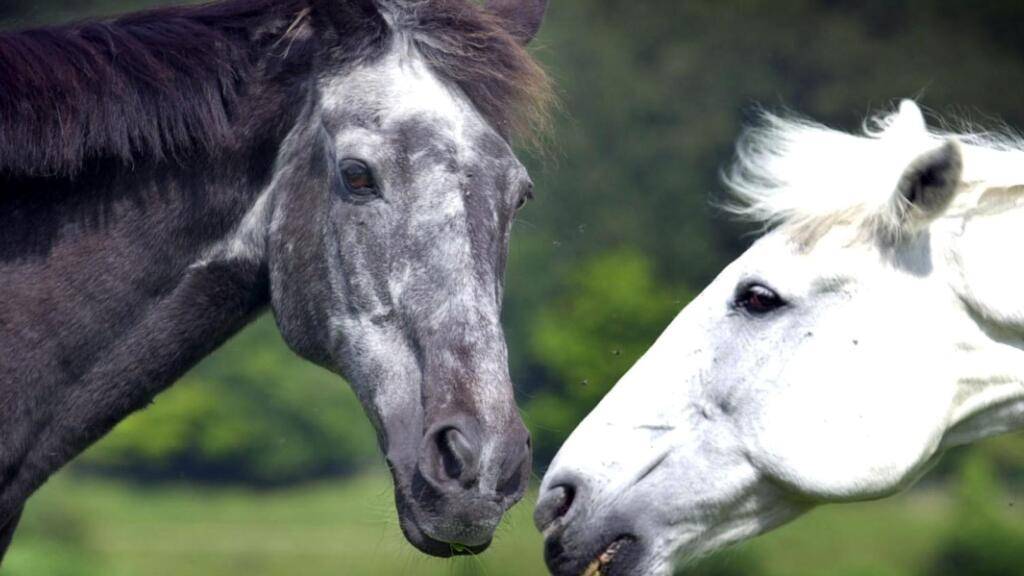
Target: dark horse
166,176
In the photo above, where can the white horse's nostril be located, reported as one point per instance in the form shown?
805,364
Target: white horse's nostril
552,506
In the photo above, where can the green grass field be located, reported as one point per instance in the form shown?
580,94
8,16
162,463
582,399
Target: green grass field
78,526
82,527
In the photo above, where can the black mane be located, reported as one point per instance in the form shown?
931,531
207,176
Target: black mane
162,83
153,84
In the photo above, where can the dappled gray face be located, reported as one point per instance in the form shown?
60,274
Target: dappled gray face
414,221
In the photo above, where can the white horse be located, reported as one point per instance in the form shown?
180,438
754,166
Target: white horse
878,323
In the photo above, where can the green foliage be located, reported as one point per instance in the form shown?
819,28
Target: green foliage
53,539
589,339
988,535
252,412
22,13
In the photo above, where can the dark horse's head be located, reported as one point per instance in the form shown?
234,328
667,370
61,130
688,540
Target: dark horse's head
385,230
358,173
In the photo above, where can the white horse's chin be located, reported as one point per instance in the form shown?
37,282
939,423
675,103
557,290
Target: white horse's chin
672,552
697,543
659,567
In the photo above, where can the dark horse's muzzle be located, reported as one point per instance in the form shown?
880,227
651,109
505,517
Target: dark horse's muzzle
457,488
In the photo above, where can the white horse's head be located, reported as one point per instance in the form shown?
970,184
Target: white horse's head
878,323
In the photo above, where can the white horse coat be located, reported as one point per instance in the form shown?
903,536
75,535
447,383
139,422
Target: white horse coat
879,322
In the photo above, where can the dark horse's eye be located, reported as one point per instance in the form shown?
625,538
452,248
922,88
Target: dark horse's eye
358,178
525,197
757,299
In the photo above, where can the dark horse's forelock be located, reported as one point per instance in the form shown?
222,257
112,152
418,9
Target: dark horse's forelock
471,47
167,82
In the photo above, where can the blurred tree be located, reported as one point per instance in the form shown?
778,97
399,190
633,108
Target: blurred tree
987,535
252,412
21,13
590,338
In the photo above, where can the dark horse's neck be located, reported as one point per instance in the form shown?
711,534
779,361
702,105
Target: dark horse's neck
102,304
108,293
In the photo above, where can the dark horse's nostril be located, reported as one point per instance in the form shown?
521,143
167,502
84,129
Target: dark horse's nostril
453,460
458,458
554,504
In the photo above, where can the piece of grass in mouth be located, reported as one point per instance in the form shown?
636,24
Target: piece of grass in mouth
460,548
606,557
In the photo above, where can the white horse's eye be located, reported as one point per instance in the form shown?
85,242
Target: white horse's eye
757,299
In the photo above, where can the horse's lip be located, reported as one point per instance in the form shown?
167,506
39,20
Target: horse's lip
439,549
425,543
604,562
416,534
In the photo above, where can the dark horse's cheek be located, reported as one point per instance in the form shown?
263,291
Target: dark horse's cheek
300,274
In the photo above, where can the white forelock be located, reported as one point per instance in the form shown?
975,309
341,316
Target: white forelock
795,173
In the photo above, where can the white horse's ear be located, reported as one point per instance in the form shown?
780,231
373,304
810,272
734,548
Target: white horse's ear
927,187
910,119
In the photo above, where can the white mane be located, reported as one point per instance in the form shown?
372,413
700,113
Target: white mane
798,174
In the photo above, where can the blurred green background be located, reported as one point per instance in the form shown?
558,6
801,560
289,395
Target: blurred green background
258,463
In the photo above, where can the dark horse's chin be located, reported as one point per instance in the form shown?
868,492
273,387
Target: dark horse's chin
417,536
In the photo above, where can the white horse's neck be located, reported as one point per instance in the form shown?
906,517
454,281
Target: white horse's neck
983,234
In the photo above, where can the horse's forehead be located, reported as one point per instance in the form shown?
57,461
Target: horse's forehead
771,254
398,86
778,258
